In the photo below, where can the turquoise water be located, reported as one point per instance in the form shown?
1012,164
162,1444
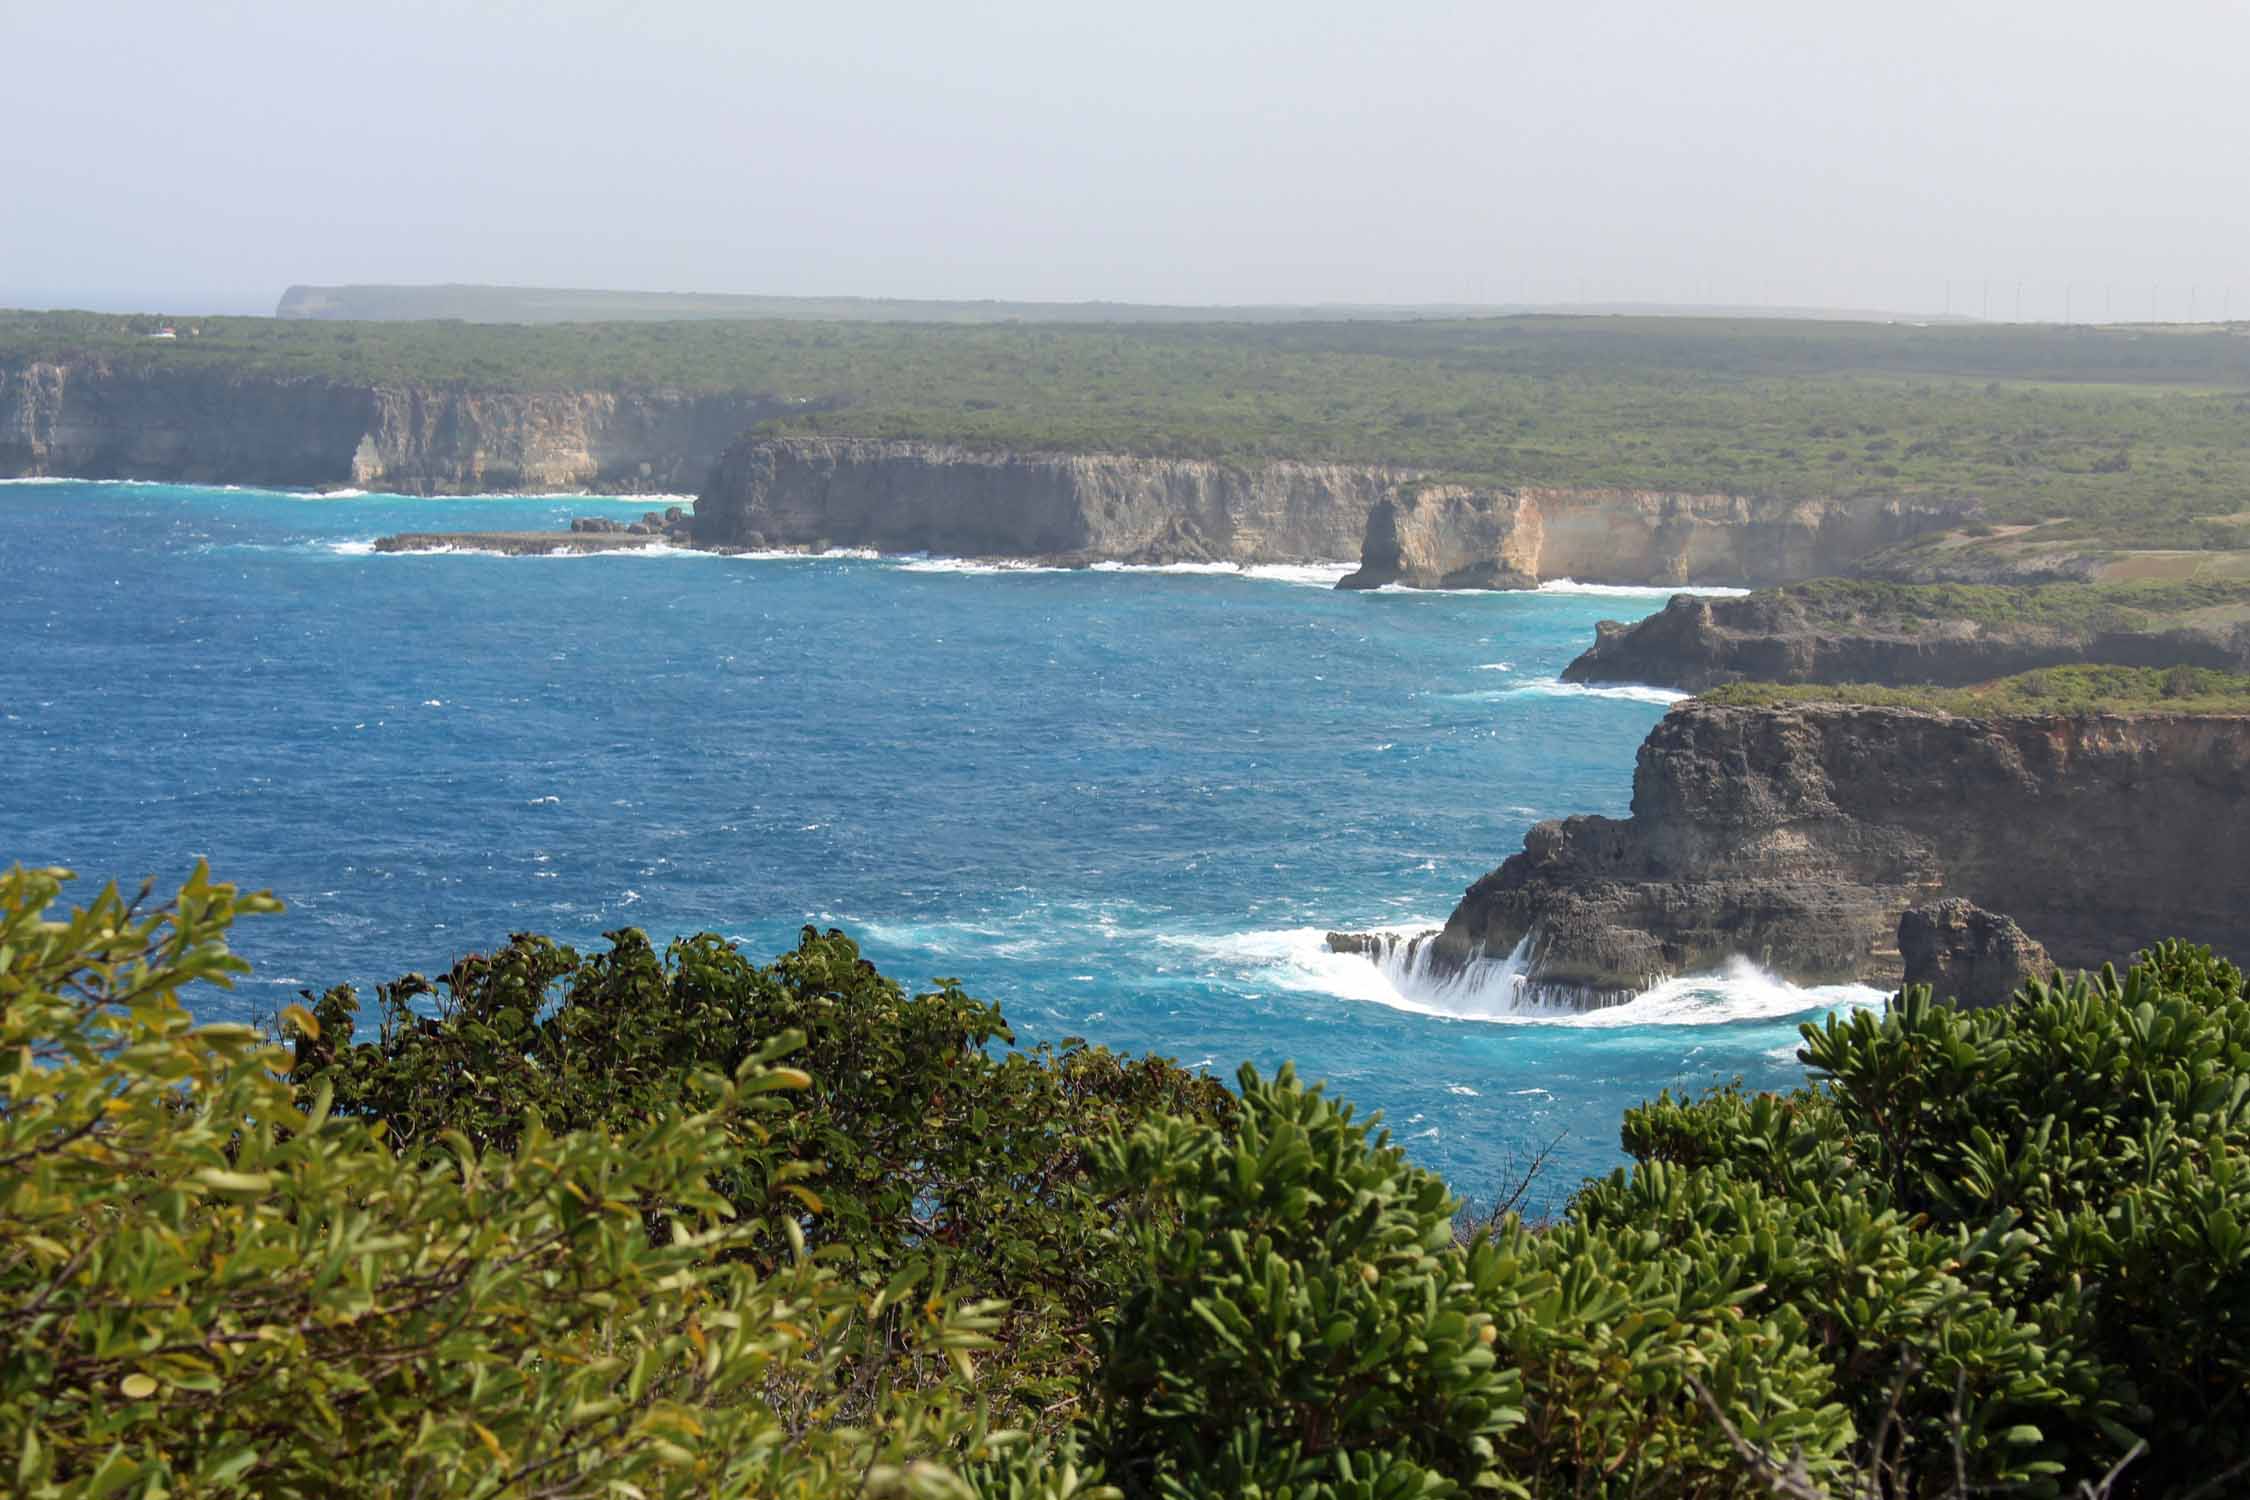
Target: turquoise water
1124,804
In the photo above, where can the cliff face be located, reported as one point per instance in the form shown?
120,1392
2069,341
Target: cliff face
94,421
910,497
1449,536
1797,837
1693,644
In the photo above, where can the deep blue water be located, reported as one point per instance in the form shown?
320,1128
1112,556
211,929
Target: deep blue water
1123,804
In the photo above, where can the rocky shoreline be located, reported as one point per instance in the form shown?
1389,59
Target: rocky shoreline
587,534
1452,536
1087,507
1798,838
1842,633
93,418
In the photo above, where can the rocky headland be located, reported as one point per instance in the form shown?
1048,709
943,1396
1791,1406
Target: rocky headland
1797,837
912,496
1838,631
100,419
1085,507
1451,536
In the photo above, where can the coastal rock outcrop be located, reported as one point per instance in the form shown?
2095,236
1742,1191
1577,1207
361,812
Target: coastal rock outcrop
1795,837
92,419
1968,955
918,496
1452,536
1788,635
929,497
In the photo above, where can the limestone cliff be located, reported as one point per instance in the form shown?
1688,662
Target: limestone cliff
93,420
1797,837
914,497
1451,536
1792,636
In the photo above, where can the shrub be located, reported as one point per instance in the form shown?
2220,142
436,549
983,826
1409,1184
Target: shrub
911,1140
1307,1328
2017,1235
207,1287
580,1228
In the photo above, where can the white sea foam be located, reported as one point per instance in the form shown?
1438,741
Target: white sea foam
798,554
561,549
1315,575
1638,591
1406,588
105,483
653,549
1499,990
1629,692
1178,567
358,547
974,566
1298,958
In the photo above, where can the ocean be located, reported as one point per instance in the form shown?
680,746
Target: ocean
1123,803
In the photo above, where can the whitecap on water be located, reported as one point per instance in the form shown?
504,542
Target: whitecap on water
1497,990
1314,575
1627,692
799,554
973,566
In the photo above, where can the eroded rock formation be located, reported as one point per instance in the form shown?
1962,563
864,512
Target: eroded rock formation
1451,536
926,497
91,420
1796,837
1698,643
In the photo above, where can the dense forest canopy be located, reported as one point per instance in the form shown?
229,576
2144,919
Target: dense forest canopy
2134,435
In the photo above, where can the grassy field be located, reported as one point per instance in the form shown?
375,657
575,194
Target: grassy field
2057,690
2136,437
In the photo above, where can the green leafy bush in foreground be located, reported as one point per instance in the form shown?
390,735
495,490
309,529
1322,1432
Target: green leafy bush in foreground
680,1224
208,1288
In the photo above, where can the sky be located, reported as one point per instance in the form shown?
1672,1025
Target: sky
2086,158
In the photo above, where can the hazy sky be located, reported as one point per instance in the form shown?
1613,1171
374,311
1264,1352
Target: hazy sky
202,156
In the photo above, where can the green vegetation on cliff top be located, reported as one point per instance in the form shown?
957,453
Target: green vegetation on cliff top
675,1223
2073,690
2076,608
2133,436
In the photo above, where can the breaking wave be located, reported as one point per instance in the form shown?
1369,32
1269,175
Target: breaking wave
1500,990
1316,575
974,566
1638,591
1629,692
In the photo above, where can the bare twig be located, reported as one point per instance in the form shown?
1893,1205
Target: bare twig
1792,1481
